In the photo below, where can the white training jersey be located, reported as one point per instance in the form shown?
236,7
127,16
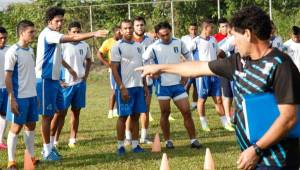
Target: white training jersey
129,55
204,49
227,45
293,50
188,41
21,62
161,53
276,42
2,60
75,54
49,57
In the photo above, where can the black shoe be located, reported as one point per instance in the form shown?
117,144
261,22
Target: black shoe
196,144
169,145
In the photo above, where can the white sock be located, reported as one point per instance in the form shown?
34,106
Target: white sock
143,133
12,140
29,142
203,122
72,141
193,140
223,120
2,127
52,138
47,149
134,144
120,143
128,135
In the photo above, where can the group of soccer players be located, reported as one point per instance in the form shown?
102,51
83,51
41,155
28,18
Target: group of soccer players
44,87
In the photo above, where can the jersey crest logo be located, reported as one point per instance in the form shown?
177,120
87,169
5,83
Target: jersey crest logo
176,50
81,51
139,50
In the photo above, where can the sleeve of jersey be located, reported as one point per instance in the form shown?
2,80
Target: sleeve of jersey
148,55
10,61
286,83
185,52
115,53
53,37
223,67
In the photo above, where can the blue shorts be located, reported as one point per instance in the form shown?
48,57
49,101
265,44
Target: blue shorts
113,84
175,92
28,111
50,96
74,95
208,86
136,103
3,100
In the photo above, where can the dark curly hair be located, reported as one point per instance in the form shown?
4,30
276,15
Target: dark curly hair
254,19
162,25
52,12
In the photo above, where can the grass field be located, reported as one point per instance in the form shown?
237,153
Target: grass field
97,139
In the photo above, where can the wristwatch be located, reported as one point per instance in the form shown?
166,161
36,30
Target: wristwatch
258,150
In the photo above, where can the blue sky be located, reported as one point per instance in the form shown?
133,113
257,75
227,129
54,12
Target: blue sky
5,3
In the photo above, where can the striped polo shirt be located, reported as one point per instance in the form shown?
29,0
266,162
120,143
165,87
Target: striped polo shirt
275,73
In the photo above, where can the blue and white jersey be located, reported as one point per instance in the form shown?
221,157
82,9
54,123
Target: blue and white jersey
293,50
188,41
75,55
170,53
20,61
129,55
276,42
227,45
204,49
2,61
49,57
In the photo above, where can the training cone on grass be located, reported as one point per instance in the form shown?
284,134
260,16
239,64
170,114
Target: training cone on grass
156,147
208,161
164,163
28,164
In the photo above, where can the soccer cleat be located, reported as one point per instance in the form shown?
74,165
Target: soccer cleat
171,118
52,157
229,128
110,115
3,146
12,165
145,141
169,145
121,151
56,152
138,149
72,145
196,144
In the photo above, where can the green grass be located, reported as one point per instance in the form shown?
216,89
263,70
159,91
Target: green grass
97,139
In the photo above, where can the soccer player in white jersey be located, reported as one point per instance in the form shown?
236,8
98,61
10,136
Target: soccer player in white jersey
292,46
131,89
20,84
188,40
48,67
78,56
168,50
206,47
275,40
3,91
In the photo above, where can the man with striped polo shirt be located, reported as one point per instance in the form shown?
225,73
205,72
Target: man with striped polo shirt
256,69
48,67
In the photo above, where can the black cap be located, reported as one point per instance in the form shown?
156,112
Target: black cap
296,30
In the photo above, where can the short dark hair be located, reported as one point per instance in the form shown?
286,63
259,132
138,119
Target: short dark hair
194,24
222,21
52,12
116,28
23,25
74,24
139,18
206,22
162,25
3,30
254,19
296,30
125,21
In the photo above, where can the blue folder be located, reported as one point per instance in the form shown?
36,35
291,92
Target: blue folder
260,111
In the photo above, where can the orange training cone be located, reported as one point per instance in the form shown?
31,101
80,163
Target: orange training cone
164,163
156,144
208,161
28,164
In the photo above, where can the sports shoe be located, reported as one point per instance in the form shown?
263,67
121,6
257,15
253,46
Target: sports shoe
56,152
72,145
3,146
169,145
145,141
138,149
196,144
52,157
150,117
121,151
12,165
229,128
110,115
171,118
